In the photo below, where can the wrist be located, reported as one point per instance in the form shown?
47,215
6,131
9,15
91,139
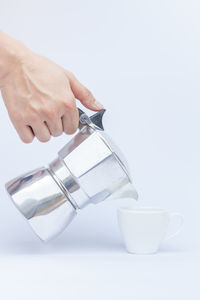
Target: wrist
11,54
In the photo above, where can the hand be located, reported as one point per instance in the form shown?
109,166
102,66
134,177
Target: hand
40,97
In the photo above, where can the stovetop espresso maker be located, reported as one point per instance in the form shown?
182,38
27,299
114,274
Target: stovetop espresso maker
89,169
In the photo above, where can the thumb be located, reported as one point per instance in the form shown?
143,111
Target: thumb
82,93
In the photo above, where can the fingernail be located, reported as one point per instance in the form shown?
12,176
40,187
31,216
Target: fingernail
98,105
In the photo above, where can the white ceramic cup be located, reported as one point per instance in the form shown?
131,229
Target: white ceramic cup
145,228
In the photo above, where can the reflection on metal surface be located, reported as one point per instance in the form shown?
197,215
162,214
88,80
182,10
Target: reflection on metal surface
89,169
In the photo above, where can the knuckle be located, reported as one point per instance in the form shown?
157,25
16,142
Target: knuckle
71,75
35,108
70,130
87,94
56,134
44,112
51,114
69,104
30,118
44,139
56,131
27,139
41,111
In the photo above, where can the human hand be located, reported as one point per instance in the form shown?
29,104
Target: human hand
40,96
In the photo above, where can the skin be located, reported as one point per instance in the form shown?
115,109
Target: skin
40,95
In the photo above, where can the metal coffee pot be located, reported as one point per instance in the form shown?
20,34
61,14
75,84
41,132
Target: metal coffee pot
89,169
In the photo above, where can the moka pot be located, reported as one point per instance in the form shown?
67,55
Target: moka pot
89,169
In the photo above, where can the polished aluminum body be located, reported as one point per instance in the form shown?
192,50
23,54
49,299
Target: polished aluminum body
89,169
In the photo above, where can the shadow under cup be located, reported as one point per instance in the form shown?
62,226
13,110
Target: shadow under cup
144,228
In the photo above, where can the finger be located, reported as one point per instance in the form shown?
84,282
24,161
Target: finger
55,128
41,131
83,94
25,133
70,120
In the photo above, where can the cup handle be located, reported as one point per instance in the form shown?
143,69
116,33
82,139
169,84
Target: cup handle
173,215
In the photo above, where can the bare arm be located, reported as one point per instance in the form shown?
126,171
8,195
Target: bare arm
38,93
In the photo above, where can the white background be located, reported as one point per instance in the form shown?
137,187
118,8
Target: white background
141,59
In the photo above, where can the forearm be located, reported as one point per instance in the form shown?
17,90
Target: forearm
11,51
